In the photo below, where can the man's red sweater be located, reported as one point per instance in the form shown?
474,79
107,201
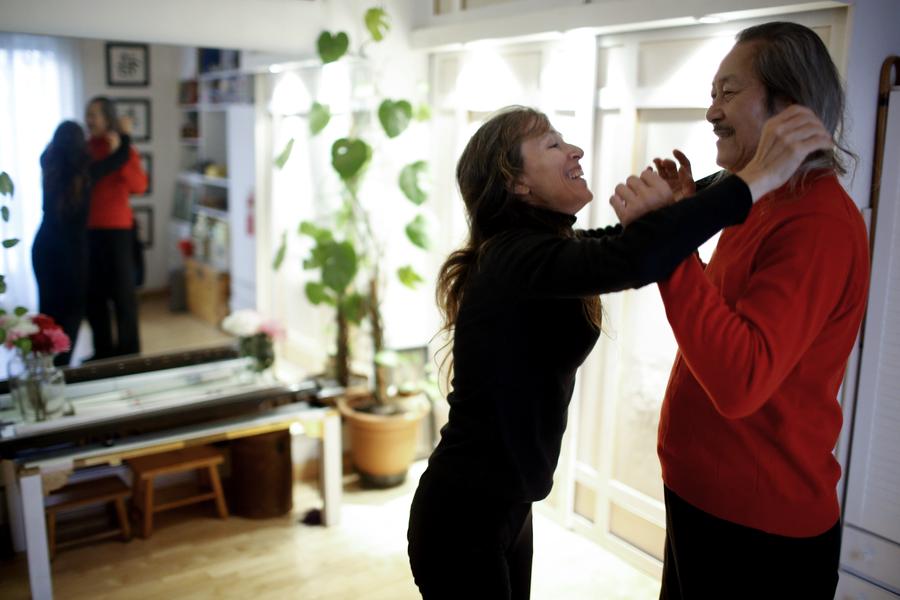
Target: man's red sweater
110,208
750,416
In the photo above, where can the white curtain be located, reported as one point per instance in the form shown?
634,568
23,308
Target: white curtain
40,86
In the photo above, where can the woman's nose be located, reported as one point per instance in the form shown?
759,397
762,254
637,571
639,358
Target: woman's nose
575,151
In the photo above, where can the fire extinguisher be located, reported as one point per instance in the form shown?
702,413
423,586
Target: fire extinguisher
251,217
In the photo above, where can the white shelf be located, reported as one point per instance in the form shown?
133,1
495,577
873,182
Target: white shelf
215,213
200,179
223,74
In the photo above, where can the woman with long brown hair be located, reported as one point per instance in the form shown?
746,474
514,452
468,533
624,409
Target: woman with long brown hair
521,299
59,253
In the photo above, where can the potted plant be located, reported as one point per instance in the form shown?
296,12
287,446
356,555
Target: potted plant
347,256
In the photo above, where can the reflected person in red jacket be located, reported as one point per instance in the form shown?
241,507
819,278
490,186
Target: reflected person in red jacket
111,276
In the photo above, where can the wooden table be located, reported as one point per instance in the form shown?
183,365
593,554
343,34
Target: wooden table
28,479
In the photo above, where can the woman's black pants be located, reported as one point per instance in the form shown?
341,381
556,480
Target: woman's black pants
462,545
707,557
111,292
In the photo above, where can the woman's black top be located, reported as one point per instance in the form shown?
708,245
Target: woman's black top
69,218
522,332
59,252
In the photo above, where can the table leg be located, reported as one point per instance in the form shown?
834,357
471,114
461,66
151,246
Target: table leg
36,536
331,468
14,505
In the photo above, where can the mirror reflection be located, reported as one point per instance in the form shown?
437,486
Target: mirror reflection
127,192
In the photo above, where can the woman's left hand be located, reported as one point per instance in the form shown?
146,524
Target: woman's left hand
640,195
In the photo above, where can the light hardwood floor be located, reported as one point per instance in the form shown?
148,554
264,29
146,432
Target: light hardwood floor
193,555
163,331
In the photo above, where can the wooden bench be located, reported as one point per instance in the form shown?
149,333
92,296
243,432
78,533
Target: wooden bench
107,489
202,459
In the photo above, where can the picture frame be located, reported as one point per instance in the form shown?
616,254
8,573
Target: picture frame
147,166
138,109
127,64
143,216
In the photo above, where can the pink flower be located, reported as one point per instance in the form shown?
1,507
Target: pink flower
272,329
59,341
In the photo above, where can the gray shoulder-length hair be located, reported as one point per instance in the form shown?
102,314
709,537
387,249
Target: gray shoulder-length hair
793,64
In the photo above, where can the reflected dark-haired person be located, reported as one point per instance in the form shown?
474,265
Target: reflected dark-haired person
112,290
59,253
521,300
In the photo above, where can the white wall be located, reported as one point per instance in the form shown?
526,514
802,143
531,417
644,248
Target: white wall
535,18
874,34
165,120
274,25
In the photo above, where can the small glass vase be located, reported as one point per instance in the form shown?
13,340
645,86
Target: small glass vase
259,347
38,387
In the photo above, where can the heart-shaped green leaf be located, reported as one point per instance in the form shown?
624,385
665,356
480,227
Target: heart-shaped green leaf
332,47
320,234
6,185
2,287
10,242
319,115
279,254
4,212
417,232
339,265
423,112
349,156
20,311
409,277
377,23
354,306
410,181
394,116
285,154
317,293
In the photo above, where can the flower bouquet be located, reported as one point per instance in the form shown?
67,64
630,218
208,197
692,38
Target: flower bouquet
255,336
37,386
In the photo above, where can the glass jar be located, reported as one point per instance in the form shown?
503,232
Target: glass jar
260,348
38,387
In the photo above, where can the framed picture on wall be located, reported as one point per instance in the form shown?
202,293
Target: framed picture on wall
147,166
143,215
138,110
127,65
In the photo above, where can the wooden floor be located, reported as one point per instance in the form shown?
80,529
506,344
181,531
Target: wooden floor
163,330
193,555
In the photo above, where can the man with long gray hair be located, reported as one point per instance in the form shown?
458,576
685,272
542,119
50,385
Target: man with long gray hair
750,416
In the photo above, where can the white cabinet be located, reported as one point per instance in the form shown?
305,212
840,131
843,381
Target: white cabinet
241,189
871,547
218,179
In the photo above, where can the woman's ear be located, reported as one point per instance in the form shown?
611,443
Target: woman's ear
520,189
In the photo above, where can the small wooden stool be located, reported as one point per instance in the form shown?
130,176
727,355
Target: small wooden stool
107,489
203,459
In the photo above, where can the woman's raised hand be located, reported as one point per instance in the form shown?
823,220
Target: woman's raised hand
114,140
786,140
679,177
640,195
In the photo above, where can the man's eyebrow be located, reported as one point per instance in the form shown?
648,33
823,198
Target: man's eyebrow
726,79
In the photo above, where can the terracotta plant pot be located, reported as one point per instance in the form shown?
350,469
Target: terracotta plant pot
382,447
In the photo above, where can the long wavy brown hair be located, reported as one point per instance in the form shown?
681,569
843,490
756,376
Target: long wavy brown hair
487,169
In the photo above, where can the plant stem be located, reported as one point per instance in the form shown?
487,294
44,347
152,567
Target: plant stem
342,358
